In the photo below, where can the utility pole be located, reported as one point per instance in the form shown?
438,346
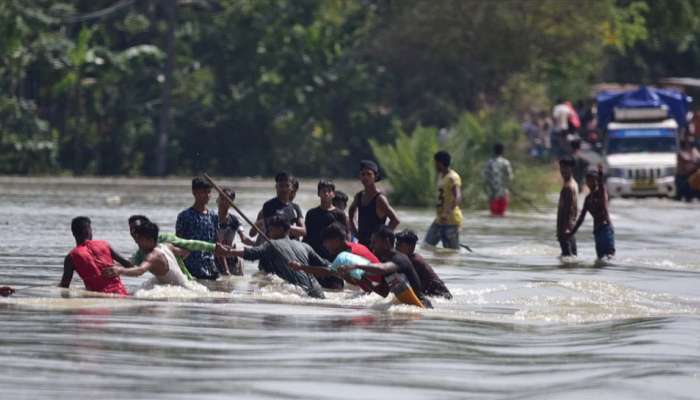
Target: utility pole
166,94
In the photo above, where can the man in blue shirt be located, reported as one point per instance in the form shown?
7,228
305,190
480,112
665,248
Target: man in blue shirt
197,223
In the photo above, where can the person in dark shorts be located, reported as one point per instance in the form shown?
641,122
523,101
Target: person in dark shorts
432,284
568,208
597,204
580,164
197,223
371,206
276,255
319,218
282,206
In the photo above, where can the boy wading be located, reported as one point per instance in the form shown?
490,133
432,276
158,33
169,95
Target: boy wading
568,208
446,226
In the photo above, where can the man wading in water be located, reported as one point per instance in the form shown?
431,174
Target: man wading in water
445,228
371,205
597,204
89,258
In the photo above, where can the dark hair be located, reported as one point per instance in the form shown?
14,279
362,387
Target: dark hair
334,231
384,232
340,196
498,149
325,184
372,166
407,236
199,182
138,219
567,161
283,176
279,222
576,144
443,158
230,193
79,225
148,230
592,173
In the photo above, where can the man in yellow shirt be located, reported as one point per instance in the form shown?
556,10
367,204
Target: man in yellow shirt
446,226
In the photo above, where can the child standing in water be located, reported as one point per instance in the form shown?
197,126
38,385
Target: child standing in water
568,208
597,204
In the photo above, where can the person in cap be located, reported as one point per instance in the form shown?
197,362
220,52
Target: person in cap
371,206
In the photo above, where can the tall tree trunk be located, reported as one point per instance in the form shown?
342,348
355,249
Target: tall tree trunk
165,107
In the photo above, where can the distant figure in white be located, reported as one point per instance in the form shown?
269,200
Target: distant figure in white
160,261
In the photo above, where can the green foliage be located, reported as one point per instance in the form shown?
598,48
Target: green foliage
408,164
262,85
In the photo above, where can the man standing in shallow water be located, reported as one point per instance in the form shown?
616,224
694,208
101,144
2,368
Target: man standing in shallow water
371,205
197,223
446,225
497,173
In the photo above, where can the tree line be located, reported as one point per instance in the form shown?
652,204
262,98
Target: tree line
249,87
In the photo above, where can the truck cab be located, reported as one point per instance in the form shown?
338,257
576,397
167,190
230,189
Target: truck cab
641,158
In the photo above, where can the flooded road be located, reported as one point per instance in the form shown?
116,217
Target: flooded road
521,325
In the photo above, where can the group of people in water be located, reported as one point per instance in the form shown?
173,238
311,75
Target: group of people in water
325,249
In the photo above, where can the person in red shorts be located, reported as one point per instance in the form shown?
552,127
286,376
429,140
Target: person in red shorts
89,257
497,174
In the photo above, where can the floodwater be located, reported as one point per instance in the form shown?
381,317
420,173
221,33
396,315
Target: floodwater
521,325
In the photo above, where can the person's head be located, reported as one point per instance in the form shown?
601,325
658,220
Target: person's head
81,227
277,227
592,180
283,186
326,191
146,236
566,167
498,149
369,172
575,145
382,241
340,200
560,100
201,190
406,241
134,221
334,237
295,188
442,160
222,202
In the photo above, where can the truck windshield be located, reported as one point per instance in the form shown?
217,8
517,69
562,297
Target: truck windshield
642,141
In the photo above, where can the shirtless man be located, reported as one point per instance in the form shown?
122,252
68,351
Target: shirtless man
568,208
160,259
371,205
597,204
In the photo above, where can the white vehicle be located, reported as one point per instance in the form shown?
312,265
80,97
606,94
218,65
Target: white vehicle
641,158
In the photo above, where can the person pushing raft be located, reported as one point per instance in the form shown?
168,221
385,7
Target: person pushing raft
597,204
432,284
159,260
371,205
89,258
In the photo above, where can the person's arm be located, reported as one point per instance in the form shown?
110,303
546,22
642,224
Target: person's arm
318,271
250,253
259,220
456,194
373,269
144,267
245,239
121,260
298,230
351,216
191,244
178,251
383,208
181,226
67,273
581,218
